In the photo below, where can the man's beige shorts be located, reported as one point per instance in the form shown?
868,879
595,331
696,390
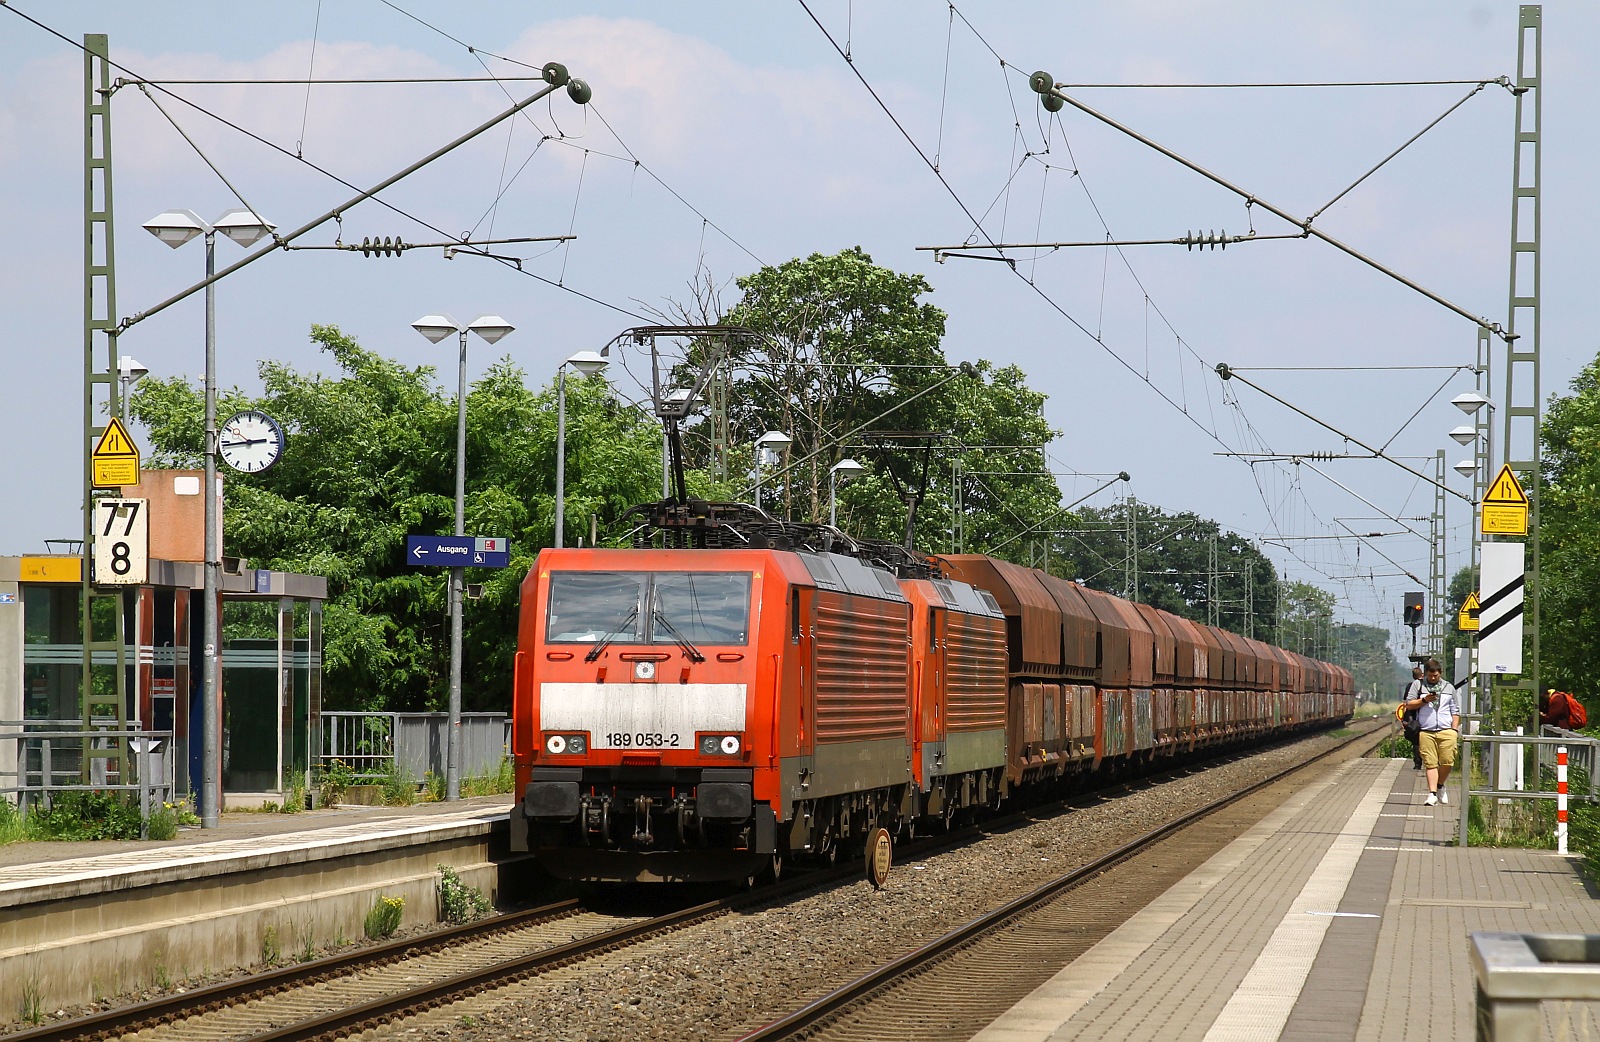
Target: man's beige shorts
1438,748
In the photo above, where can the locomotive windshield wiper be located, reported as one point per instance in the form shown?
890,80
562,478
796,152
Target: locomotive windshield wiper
683,642
594,652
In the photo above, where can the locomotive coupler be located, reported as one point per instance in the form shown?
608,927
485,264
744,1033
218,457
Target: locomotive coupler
641,816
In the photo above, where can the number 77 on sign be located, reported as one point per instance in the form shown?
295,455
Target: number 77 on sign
121,542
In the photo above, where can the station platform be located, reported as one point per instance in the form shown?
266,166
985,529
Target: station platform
79,921
1343,915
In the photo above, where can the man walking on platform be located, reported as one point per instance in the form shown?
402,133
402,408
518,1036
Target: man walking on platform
1439,717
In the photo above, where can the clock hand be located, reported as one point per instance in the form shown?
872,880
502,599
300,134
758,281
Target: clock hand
246,441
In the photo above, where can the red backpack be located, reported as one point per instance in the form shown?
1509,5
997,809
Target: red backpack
1577,716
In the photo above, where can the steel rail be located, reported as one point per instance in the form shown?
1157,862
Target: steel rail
155,1013
169,1008
862,987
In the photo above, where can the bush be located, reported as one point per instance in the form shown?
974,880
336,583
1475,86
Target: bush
86,815
384,919
336,778
458,902
1396,746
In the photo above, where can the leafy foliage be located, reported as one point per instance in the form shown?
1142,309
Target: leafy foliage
458,902
84,815
371,458
849,363
1569,521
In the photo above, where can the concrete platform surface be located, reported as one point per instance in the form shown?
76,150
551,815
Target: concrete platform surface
240,825
1343,916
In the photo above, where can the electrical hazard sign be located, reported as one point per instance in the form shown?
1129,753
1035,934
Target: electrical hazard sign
1505,506
1467,617
116,457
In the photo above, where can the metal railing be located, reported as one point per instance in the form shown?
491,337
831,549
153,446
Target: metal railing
1515,972
377,746
39,754
1581,750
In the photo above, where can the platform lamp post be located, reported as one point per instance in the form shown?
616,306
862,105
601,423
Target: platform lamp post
176,227
588,363
129,372
774,442
435,328
847,469
1480,435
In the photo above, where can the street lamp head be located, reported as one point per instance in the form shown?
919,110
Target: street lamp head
1463,435
1466,468
490,327
776,441
244,227
435,327
1470,402
129,369
176,227
588,362
848,468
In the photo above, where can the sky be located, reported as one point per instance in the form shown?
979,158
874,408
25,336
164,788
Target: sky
724,136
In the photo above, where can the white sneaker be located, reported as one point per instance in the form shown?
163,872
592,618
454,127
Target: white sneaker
1431,800
1444,797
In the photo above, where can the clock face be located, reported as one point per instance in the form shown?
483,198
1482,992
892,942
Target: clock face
250,441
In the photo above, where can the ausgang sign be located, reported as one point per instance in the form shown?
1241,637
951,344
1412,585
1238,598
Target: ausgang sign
457,551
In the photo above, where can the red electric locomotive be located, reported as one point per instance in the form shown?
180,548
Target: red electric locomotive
756,690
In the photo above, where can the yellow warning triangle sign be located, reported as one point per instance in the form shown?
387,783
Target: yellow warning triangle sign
1506,490
116,441
1471,603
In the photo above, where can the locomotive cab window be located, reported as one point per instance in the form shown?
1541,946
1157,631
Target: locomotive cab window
649,608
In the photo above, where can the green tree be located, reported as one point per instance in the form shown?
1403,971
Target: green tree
1171,557
1364,650
370,459
848,361
1569,521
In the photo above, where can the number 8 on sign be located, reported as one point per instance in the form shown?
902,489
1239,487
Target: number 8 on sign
121,542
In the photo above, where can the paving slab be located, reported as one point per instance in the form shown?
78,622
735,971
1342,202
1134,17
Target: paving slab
1343,916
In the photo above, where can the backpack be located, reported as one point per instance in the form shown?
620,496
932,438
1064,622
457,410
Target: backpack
1577,715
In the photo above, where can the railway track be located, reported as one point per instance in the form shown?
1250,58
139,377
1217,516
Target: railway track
365,990
954,985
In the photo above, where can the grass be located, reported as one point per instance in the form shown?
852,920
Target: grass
271,950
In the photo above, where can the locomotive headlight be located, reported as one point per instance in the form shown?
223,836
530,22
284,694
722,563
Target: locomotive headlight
570,744
720,745
645,670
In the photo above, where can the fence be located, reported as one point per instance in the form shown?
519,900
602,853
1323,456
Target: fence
412,745
1516,971
38,754
1583,752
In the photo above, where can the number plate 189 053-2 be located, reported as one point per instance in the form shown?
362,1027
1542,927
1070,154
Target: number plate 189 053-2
642,716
